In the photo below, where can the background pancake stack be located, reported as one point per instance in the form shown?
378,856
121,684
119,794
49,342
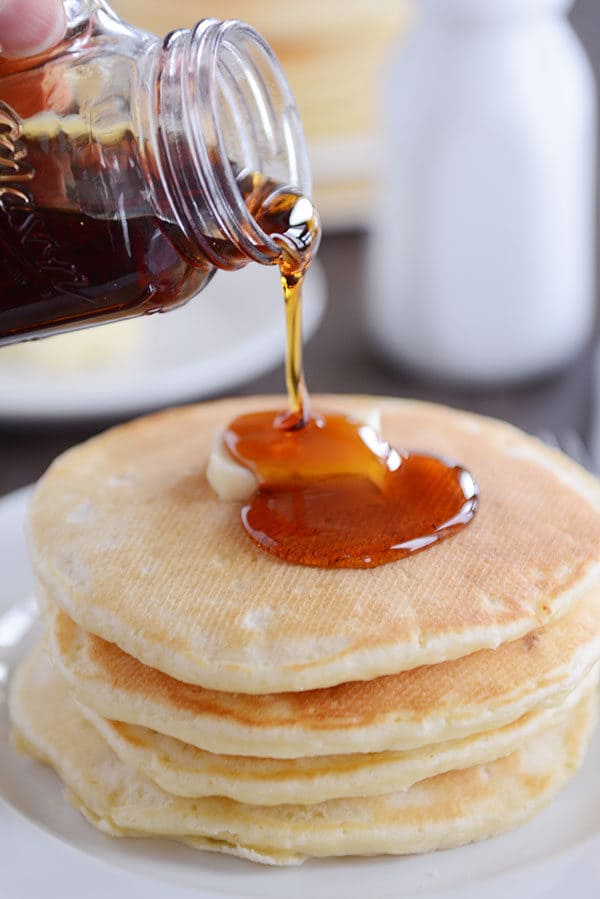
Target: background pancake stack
332,53
191,686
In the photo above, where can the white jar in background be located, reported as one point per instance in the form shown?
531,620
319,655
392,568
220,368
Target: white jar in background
481,257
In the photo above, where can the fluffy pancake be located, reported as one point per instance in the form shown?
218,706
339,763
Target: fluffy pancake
128,538
448,701
443,811
185,770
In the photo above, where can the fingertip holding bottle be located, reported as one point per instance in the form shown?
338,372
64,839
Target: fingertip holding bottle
29,27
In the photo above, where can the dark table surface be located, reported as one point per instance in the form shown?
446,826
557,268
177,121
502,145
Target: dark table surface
338,360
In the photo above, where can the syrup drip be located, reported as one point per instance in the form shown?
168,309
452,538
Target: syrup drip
331,493
293,223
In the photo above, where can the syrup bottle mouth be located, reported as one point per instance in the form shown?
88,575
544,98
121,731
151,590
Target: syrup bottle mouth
229,116
287,218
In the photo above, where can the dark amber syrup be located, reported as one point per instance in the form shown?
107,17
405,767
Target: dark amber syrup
330,492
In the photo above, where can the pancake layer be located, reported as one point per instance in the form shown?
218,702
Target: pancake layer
448,701
128,538
447,810
184,770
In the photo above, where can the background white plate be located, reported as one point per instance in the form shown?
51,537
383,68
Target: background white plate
47,849
230,333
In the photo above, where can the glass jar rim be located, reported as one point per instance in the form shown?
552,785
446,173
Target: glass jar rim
298,177
216,108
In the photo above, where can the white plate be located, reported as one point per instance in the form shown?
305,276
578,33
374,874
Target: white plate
230,333
47,849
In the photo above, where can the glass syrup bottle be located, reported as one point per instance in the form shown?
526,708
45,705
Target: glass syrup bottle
132,168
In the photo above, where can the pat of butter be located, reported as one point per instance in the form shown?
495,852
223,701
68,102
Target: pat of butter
233,482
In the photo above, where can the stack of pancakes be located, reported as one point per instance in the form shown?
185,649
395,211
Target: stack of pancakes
192,686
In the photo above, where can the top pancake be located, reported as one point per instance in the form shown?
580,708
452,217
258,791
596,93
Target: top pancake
128,538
